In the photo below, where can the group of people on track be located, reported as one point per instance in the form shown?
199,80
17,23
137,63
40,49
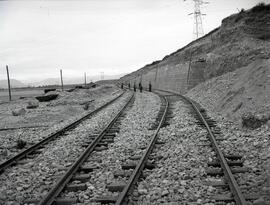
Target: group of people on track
140,87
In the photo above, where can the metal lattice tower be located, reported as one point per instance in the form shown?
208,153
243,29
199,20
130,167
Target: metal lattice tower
198,26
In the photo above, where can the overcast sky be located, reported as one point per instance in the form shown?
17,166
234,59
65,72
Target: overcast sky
37,38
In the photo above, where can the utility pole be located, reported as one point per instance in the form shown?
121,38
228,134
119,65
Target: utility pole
9,89
198,25
189,66
84,79
156,74
62,85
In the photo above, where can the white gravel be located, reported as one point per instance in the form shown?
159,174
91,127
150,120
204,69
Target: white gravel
180,176
34,177
54,117
254,146
180,173
133,135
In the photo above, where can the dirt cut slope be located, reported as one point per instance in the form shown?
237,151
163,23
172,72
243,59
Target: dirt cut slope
246,90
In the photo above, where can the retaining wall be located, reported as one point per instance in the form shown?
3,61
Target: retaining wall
174,78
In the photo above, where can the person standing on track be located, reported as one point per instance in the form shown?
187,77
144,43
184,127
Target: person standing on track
134,87
129,86
140,86
150,86
122,86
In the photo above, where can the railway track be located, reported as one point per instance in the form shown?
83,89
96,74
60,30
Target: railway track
142,163
37,148
224,165
78,171
137,163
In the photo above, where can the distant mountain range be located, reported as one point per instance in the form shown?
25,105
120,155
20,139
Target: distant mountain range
76,80
13,82
56,81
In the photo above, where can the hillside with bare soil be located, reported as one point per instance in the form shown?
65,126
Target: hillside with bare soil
241,39
235,94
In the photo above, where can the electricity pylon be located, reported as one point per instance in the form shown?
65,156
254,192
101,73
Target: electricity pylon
198,26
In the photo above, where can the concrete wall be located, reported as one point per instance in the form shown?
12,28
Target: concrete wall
169,77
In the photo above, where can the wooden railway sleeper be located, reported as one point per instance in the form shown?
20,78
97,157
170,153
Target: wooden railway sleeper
132,165
106,199
58,201
76,187
88,168
218,171
229,198
116,187
216,163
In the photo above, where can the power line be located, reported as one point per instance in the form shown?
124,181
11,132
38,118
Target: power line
198,25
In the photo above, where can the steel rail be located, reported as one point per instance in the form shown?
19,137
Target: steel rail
52,136
60,185
137,172
235,189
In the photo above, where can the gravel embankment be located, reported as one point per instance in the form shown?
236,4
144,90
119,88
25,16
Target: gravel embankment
254,146
179,177
133,135
54,118
228,98
32,178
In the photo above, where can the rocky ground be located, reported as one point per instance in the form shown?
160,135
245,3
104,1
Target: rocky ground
254,146
48,117
179,174
228,99
32,178
133,135
246,90
181,162
230,68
